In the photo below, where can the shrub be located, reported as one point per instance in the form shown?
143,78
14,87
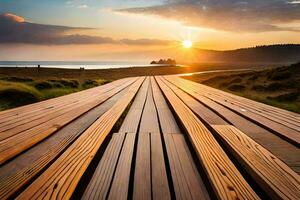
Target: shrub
259,88
236,87
280,75
66,83
289,97
43,85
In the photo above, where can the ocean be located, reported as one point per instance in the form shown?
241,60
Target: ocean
74,65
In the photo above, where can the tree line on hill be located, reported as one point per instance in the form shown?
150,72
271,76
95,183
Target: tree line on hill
281,53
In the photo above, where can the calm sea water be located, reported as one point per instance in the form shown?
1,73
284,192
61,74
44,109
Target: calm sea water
74,65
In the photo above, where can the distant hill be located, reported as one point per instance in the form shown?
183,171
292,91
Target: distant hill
282,53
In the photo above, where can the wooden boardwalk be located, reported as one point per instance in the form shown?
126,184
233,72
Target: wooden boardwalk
158,137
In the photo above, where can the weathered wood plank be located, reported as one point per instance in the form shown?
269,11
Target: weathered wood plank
262,136
186,179
160,187
99,189
273,175
278,112
14,145
149,121
278,146
284,131
61,178
133,117
18,172
225,179
120,183
99,185
167,121
142,172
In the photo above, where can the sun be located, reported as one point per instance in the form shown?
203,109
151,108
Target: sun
187,44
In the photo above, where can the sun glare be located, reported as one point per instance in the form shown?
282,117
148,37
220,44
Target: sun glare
187,44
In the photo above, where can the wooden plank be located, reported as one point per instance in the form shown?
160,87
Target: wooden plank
206,114
186,179
120,183
167,121
14,145
259,106
133,117
17,173
149,122
150,178
61,178
225,179
285,122
273,175
278,146
160,187
289,134
142,172
99,185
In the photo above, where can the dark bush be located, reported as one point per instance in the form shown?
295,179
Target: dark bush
236,80
259,88
252,78
67,83
90,83
43,85
281,75
15,97
289,97
274,87
236,87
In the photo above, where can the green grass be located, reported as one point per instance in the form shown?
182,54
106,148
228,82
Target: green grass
18,91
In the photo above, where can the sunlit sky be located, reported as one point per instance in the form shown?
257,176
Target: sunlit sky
140,30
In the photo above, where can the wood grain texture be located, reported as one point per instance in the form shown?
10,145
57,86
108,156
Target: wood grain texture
99,185
133,117
61,178
14,145
280,129
142,171
120,183
18,172
225,179
278,146
149,121
277,112
166,119
186,179
273,175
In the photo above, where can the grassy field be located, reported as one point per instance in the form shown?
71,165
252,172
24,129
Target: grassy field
17,91
278,87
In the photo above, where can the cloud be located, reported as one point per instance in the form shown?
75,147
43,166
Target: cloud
228,15
15,29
